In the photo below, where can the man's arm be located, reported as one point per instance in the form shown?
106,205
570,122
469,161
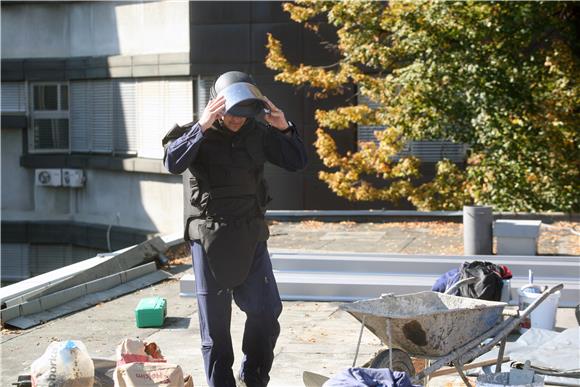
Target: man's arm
180,153
285,150
282,143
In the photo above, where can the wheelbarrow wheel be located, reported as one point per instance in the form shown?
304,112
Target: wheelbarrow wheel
401,361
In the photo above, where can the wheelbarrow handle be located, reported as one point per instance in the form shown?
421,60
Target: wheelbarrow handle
465,281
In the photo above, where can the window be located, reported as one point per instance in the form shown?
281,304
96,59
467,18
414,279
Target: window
108,116
427,151
13,97
127,116
160,105
49,116
204,84
92,105
15,262
367,133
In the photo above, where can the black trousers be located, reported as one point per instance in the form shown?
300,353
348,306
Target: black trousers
258,297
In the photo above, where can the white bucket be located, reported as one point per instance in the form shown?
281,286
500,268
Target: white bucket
502,379
544,316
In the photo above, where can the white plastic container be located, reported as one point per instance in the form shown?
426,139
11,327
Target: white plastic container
544,316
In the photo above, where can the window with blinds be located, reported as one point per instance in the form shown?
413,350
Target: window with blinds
103,116
114,116
44,258
15,262
160,105
13,97
127,116
428,151
203,87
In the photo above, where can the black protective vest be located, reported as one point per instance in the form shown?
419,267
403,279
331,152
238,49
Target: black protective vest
226,181
227,197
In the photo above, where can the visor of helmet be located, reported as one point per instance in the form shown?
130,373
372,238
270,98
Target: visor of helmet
243,100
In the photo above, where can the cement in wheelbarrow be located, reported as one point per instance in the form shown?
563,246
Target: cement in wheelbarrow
427,324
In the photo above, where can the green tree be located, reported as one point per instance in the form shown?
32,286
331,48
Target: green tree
499,76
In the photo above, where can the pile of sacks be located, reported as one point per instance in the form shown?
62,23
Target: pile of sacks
138,364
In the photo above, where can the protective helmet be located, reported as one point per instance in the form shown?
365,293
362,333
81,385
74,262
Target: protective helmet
243,98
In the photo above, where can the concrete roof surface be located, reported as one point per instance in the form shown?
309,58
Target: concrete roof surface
313,337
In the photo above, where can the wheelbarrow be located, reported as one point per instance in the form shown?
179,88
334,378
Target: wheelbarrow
438,327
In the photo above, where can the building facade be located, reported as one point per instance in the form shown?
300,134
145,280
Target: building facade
88,91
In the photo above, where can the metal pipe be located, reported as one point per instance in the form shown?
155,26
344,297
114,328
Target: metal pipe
389,332
477,230
500,355
362,327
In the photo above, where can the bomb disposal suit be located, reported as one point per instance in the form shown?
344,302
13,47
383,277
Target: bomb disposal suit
223,173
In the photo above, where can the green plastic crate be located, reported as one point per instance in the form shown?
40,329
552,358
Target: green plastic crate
151,312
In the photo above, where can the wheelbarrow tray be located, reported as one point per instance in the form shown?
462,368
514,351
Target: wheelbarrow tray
427,324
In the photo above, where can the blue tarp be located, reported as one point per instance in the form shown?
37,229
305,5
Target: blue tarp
375,377
446,281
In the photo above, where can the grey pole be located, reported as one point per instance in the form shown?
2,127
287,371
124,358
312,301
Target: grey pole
477,230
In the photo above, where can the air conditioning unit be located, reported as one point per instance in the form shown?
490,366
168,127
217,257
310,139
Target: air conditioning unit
48,177
73,178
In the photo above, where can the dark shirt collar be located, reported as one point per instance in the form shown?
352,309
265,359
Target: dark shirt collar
249,124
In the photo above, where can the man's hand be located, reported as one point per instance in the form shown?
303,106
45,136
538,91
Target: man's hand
214,110
276,116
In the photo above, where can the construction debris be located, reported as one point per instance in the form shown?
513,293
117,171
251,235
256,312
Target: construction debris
102,278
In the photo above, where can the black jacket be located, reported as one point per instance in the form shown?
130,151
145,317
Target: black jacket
224,169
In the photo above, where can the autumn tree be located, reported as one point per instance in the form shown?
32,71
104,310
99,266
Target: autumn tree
498,76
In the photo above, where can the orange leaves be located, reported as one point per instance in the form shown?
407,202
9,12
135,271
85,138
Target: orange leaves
501,77
343,117
323,78
326,149
447,191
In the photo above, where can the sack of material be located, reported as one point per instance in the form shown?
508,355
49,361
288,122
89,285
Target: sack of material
148,374
142,364
63,364
135,350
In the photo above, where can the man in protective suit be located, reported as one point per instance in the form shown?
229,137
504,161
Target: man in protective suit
223,154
